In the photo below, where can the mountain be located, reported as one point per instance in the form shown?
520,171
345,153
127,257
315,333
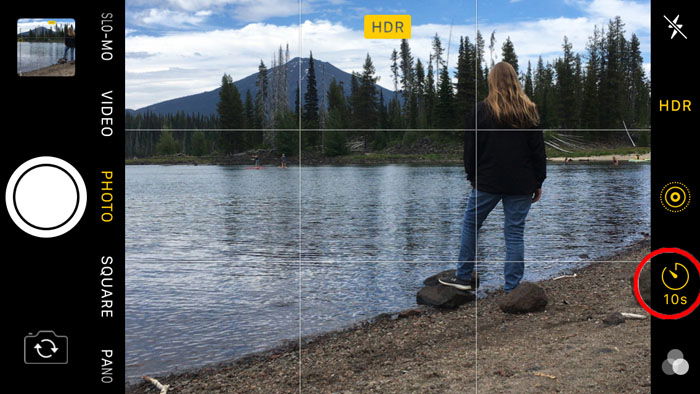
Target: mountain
37,32
205,103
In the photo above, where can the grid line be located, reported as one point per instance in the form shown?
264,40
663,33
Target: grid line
300,129
300,194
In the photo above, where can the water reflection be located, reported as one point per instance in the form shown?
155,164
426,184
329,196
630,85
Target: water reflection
35,55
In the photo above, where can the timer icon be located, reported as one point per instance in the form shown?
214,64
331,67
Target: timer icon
678,277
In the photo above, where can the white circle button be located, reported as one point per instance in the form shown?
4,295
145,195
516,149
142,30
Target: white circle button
46,197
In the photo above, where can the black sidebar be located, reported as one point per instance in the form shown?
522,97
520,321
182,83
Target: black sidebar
63,183
675,349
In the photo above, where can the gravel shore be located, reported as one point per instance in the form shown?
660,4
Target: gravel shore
475,348
55,70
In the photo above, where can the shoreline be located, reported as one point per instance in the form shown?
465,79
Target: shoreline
603,158
405,351
54,70
368,159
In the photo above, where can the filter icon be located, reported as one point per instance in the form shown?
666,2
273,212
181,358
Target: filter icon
675,197
46,197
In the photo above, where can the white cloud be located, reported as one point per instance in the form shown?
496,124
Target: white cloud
197,5
170,66
636,15
161,17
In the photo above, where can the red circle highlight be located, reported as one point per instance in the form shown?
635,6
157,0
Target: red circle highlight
638,296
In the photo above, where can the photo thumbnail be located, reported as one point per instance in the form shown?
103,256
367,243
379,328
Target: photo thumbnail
46,47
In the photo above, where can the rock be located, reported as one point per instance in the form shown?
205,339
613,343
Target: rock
409,313
440,296
527,297
614,319
433,280
644,285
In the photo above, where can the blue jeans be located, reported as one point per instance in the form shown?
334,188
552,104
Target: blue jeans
72,53
515,209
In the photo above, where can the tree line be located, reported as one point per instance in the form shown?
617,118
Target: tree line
56,32
605,87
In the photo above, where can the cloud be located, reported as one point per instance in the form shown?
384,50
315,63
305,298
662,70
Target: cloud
636,15
172,19
198,5
164,67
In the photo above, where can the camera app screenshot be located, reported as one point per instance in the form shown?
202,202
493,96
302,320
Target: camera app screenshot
322,196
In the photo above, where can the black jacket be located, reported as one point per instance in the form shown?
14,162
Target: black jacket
502,162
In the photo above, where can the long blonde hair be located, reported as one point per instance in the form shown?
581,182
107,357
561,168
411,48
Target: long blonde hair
507,101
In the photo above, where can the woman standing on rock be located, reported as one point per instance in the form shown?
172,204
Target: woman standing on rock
69,42
505,161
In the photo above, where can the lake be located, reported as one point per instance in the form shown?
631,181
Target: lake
222,261
35,55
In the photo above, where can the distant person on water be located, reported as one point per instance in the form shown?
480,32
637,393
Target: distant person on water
69,42
501,165
283,163
615,162
256,160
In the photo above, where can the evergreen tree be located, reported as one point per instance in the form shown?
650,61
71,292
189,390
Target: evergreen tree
262,116
481,73
338,115
310,115
566,88
437,53
394,116
199,144
407,84
613,96
430,97
508,55
444,110
383,114
231,114
590,99
395,70
421,116
638,87
543,92
166,144
365,110
338,112
529,88
252,138
465,96
297,98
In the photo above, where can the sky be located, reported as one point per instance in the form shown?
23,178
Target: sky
176,48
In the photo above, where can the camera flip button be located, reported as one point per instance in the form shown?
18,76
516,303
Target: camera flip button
45,347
